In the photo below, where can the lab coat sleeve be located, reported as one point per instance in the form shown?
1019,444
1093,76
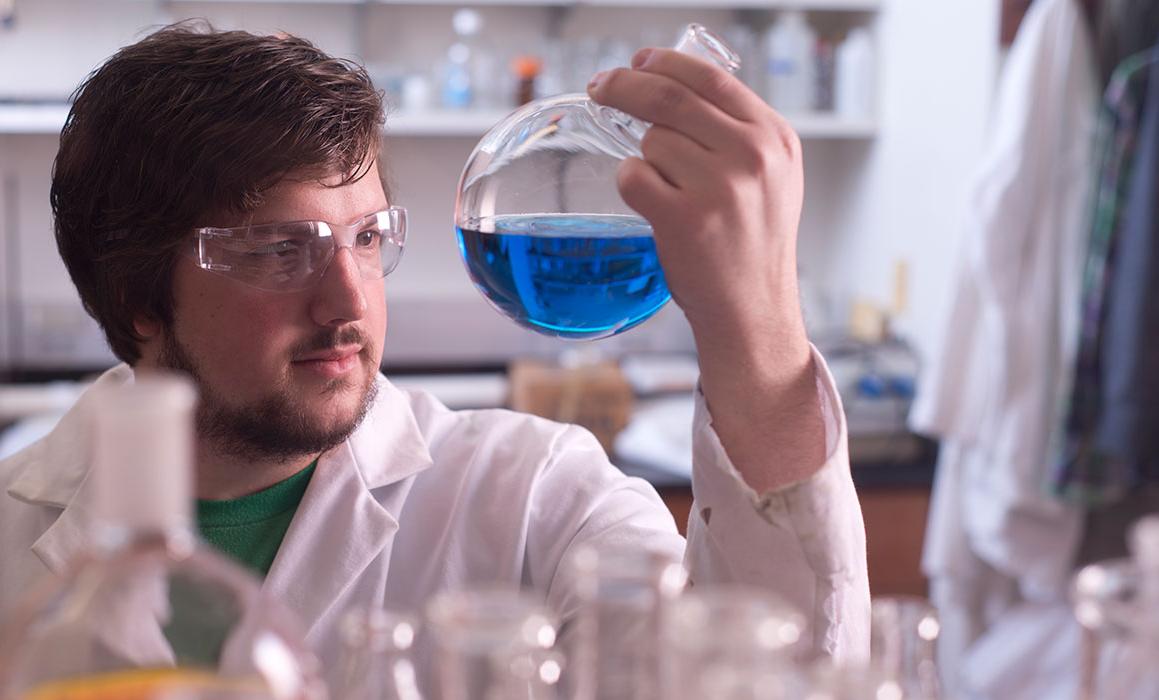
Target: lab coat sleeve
805,542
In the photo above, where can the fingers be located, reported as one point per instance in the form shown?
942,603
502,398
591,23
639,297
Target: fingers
680,160
665,101
714,84
645,190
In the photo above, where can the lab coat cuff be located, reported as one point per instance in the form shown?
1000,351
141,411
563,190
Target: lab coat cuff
717,480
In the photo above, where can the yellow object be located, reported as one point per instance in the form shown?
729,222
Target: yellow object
137,684
900,287
867,322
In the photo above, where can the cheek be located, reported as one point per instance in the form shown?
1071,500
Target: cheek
230,334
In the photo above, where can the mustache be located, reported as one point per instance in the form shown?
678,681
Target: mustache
330,339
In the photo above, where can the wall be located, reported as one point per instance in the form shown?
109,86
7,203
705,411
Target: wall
939,62
868,203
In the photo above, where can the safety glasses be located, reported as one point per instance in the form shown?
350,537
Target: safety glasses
289,256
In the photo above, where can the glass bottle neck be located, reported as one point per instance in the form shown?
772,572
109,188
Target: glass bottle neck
179,540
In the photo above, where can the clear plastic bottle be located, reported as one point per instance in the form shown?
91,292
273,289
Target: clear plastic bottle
148,610
376,656
613,644
541,226
854,85
493,644
790,69
1117,603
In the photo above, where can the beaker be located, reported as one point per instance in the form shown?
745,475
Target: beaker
493,644
541,226
612,643
731,643
377,662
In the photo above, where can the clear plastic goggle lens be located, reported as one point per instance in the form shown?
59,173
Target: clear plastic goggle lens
293,255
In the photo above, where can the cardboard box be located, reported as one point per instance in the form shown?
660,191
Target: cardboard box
595,396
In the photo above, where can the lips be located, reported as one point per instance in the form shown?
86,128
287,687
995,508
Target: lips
331,355
330,363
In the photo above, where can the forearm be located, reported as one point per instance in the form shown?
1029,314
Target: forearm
761,390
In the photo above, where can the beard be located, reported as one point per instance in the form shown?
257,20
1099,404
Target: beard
272,427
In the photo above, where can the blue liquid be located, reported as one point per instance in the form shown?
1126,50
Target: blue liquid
568,275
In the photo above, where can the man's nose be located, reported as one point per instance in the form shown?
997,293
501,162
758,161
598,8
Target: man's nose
340,296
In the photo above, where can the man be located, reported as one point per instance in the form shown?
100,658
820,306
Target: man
191,142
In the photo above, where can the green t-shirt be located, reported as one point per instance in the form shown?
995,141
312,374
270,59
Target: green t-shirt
250,529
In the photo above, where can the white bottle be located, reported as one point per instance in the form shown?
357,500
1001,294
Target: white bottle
854,81
148,609
789,63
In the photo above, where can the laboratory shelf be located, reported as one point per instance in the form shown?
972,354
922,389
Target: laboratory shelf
32,118
442,122
476,123
817,5
49,118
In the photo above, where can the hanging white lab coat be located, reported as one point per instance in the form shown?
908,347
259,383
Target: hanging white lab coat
999,548
422,499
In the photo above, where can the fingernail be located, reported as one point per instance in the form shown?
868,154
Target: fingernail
641,57
597,79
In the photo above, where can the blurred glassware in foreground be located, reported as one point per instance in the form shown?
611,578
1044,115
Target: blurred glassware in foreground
615,639
731,643
541,226
147,609
1117,603
377,663
902,657
493,644
904,645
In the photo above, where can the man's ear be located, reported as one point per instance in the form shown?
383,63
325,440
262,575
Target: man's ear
146,327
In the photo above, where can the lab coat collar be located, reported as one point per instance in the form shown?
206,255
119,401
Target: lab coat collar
55,468
349,514
386,448
388,445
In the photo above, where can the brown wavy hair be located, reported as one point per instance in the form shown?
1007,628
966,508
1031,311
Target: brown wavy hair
187,124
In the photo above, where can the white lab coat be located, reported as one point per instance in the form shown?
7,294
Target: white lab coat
422,498
999,548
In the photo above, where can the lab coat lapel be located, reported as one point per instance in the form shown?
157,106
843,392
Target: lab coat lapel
349,514
57,476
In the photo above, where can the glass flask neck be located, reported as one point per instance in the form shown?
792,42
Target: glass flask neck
177,540
626,131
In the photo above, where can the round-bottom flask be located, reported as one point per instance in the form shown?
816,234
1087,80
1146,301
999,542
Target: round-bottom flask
542,229
147,610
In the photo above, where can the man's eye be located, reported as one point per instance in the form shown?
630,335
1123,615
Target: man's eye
368,239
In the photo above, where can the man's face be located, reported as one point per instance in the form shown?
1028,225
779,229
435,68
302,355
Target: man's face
281,374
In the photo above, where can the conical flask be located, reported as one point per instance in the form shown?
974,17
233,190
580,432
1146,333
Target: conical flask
148,611
542,229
